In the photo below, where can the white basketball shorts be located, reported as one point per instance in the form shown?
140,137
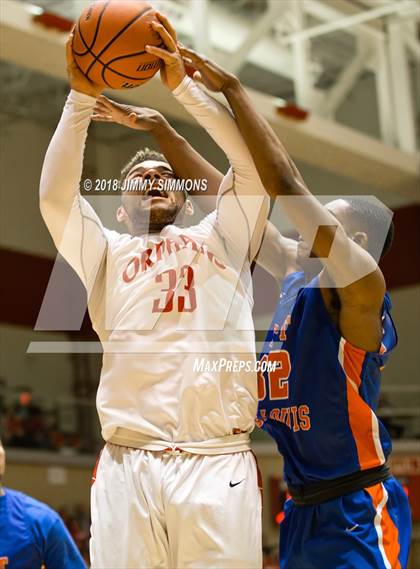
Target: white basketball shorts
154,509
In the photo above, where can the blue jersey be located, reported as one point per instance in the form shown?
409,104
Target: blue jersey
320,402
32,535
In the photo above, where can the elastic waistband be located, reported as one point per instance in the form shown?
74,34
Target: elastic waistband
319,492
220,445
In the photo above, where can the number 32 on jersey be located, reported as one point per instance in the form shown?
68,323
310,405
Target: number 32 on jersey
278,380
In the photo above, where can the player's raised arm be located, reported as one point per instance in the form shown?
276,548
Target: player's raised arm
242,202
73,224
277,254
340,254
185,161
350,268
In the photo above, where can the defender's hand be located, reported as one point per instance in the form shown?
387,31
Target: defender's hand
78,81
173,70
139,118
207,72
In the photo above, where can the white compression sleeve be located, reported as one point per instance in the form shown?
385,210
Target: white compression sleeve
242,201
73,224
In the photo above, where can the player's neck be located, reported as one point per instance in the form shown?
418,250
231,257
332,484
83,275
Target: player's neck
148,228
2,492
311,268
311,274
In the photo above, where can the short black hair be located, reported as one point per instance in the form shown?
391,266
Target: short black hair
374,219
139,157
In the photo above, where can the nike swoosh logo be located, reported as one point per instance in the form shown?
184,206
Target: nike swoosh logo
353,528
233,484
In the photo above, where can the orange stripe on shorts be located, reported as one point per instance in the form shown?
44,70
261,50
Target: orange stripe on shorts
95,469
385,527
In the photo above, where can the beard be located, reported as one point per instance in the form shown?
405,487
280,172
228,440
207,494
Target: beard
163,215
155,217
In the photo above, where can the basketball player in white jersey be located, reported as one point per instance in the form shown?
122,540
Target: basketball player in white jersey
176,484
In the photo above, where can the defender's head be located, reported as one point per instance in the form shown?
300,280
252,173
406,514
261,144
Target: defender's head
367,223
145,203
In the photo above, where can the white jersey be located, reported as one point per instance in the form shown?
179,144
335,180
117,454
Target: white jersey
161,302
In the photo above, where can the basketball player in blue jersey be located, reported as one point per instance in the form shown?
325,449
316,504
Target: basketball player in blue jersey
32,536
331,334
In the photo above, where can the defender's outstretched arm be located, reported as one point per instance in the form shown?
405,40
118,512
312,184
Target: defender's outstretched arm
344,260
185,161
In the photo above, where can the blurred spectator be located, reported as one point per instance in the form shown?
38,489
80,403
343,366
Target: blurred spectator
78,524
2,396
270,557
24,422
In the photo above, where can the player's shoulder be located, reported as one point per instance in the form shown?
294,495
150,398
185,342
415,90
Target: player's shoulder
34,508
117,241
206,225
16,498
114,236
34,514
45,526
207,229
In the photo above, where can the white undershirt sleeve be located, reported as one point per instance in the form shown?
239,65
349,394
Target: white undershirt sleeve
72,222
242,204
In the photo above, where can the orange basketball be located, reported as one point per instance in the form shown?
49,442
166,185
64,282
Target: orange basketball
109,42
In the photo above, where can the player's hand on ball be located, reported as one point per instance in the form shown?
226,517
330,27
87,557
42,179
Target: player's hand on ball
78,81
139,118
207,72
173,70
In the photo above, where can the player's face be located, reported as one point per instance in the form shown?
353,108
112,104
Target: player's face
340,209
2,461
144,194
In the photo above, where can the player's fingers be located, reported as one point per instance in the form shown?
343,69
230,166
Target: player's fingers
101,118
197,60
134,117
107,107
110,103
101,111
188,62
197,76
167,24
102,100
69,48
165,35
162,53
188,51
